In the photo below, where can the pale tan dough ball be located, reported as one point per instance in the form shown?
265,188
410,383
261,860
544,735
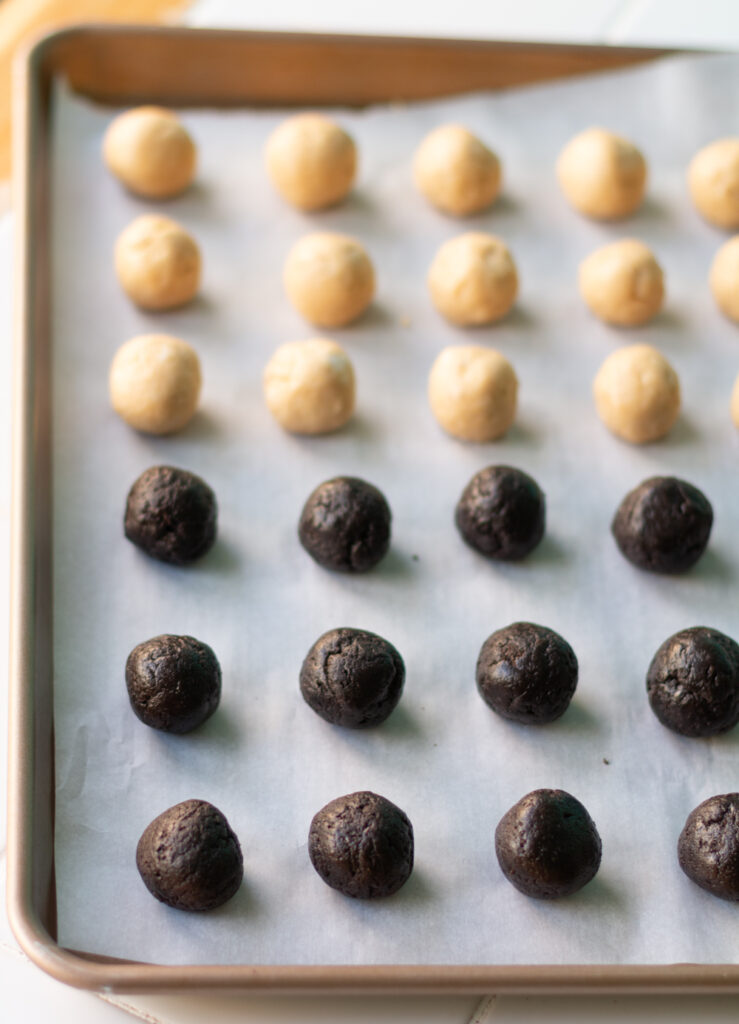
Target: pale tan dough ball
309,386
713,180
735,404
455,171
473,392
473,279
602,175
724,278
311,161
637,394
155,383
622,283
329,279
157,262
151,152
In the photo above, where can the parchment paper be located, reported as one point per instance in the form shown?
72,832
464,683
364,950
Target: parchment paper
265,759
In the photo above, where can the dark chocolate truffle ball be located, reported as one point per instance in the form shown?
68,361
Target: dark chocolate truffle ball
547,844
362,845
345,525
502,513
173,682
171,515
352,678
693,682
527,673
189,857
708,847
663,525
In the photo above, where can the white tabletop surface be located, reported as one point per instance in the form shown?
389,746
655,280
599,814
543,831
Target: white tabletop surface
29,996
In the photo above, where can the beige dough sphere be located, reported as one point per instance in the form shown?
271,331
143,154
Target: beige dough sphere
724,278
329,279
311,161
637,394
150,151
157,262
473,279
735,403
622,283
155,383
602,175
473,392
455,171
309,386
713,180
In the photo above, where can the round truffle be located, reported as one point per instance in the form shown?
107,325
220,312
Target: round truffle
157,262
150,152
362,845
456,172
352,678
311,161
713,180
637,394
622,283
171,515
527,673
693,682
708,847
309,386
724,278
547,845
329,279
602,175
190,858
473,392
345,525
155,382
501,513
473,279
173,682
663,525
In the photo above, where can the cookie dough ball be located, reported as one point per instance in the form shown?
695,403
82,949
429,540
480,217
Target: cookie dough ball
473,279
311,161
602,175
157,263
362,846
171,515
473,392
173,682
352,678
708,847
189,857
309,386
663,525
150,151
637,394
713,180
329,279
724,278
345,525
527,673
693,682
455,171
501,513
155,382
547,845
622,283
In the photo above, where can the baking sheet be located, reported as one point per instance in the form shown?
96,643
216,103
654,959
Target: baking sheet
265,759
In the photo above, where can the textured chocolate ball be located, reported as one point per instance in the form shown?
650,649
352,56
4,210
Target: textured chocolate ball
362,845
708,847
171,515
345,525
663,525
547,844
527,673
693,682
173,682
501,513
190,858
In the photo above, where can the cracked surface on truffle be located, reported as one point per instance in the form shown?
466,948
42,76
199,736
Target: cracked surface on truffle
708,847
173,682
171,514
501,513
345,525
